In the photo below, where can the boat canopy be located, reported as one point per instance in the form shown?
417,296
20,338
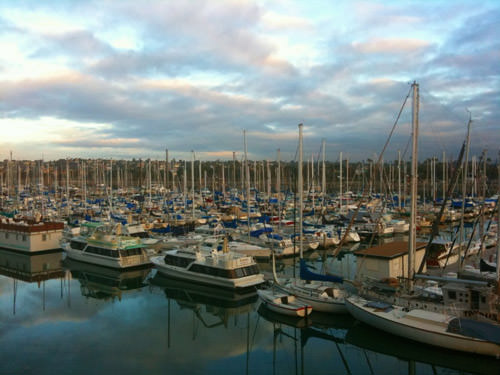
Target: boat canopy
476,329
307,274
258,232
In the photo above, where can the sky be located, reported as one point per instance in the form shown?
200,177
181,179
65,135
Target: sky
130,79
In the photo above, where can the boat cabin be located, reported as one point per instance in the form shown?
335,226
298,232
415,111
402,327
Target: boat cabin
387,261
471,298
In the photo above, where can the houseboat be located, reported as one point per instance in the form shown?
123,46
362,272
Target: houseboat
30,235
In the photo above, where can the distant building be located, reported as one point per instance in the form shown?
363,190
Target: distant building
389,260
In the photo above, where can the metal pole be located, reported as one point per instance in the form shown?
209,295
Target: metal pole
414,181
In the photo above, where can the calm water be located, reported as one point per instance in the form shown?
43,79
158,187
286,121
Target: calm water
72,317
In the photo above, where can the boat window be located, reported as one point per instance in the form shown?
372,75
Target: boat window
44,237
101,251
247,271
239,272
452,294
177,261
219,272
77,245
130,252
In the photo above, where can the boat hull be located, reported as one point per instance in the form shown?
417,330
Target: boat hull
290,309
180,273
434,334
318,303
118,263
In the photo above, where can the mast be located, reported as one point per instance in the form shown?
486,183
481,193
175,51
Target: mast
223,183
111,186
347,174
234,170
399,179
247,175
67,187
149,183
323,173
413,186
192,182
184,185
340,188
199,169
166,168
464,193
278,188
312,179
301,195
268,180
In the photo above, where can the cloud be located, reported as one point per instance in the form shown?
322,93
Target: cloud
390,45
275,21
193,75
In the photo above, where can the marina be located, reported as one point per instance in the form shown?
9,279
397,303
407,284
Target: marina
249,187
213,263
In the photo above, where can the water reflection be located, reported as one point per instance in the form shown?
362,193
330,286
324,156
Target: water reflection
163,325
374,342
188,294
105,283
339,344
31,268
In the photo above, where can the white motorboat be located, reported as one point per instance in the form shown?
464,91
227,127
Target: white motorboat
284,303
322,296
223,268
108,250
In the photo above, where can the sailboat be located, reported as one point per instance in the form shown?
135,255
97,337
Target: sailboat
322,292
434,328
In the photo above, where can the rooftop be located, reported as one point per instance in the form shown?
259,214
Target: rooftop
388,250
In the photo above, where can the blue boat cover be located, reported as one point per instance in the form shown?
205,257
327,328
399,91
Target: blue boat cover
476,329
306,274
258,232
274,236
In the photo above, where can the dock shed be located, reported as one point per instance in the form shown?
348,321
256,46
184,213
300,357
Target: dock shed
389,260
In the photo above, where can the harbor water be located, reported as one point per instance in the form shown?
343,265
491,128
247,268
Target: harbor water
61,316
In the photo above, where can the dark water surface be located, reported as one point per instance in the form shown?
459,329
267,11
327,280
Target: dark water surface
70,317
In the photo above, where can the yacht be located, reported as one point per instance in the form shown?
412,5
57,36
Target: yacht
223,268
109,250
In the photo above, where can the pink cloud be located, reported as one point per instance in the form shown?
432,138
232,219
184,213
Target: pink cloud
390,45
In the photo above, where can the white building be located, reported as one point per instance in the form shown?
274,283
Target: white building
389,260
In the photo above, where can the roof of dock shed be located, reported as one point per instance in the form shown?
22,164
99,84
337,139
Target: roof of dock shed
388,250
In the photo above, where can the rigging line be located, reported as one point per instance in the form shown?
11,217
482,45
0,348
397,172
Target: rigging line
406,148
379,161
396,122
